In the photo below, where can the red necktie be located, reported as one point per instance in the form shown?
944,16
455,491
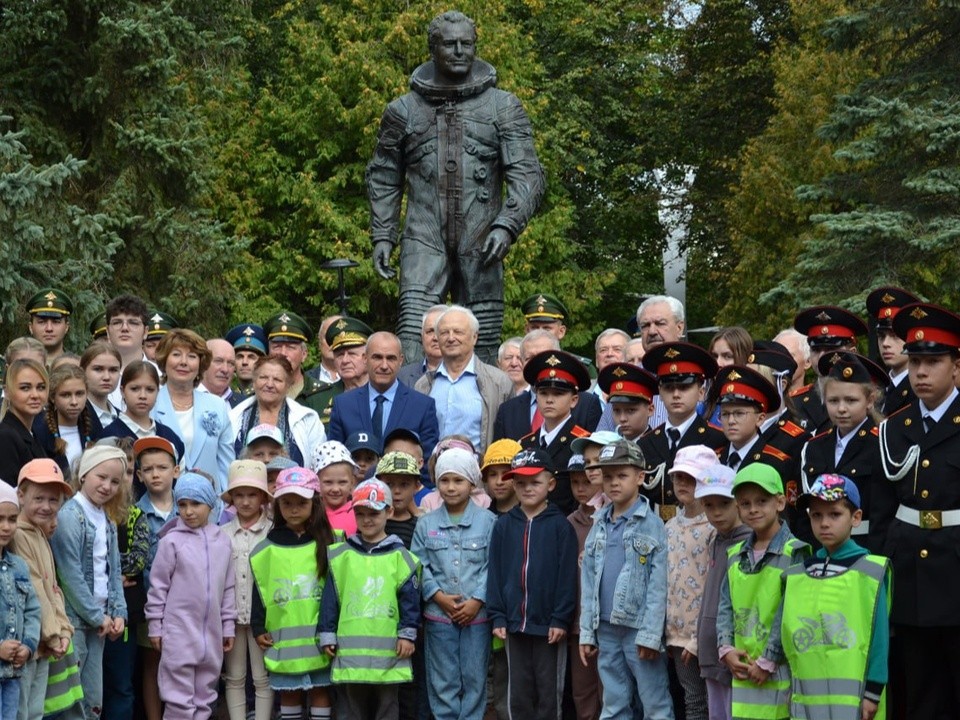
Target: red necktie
537,421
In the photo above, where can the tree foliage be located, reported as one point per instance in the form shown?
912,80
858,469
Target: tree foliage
890,207
116,92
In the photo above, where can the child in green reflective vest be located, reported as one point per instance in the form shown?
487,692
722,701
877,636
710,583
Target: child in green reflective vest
370,610
748,616
289,570
836,613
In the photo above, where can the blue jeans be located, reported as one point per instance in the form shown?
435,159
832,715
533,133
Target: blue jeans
622,671
88,647
457,659
9,698
119,659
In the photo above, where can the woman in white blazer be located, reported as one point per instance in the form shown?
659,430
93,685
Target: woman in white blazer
201,419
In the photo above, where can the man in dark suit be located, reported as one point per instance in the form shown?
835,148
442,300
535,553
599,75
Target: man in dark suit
383,404
517,416
920,499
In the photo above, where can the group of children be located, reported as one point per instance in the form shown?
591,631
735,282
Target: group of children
336,590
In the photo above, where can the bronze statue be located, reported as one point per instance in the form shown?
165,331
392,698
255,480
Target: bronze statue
456,142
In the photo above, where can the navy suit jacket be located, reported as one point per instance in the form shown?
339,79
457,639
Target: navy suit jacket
412,410
513,416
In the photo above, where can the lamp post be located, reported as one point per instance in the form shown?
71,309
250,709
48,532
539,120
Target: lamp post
340,264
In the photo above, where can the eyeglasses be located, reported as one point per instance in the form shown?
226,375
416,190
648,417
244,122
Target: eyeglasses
120,322
737,415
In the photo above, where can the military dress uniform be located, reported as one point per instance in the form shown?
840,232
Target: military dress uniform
291,328
883,304
675,363
826,328
346,333
159,324
542,311
858,461
920,498
561,370
246,337
54,304
627,384
98,328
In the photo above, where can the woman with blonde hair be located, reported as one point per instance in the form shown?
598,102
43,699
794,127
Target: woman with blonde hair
24,398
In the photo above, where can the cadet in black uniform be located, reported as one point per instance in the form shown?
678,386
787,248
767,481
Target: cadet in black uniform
920,452
745,398
557,378
682,370
827,329
883,304
852,384
630,391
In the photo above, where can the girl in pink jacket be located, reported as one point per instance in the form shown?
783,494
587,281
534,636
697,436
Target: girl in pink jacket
190,607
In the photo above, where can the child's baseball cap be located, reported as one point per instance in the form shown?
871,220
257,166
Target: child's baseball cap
717,479
246,473
831,487
373,494
330,453
530,462
500,452
44,471
280,462
600,437
297,481
576,464
264,431
693,460
155,442
401,433
362,441
398,463
760,474
620,452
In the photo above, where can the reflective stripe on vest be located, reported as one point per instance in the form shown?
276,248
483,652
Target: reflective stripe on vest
63,683
756,598
827,631
367,587
286,577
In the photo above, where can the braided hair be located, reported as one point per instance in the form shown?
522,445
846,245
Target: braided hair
58,377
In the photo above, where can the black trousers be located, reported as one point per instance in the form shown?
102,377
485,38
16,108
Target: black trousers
930,662
536,672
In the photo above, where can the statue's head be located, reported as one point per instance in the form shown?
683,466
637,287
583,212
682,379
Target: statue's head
452,38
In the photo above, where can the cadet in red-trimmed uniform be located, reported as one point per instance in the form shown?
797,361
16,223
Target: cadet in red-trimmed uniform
682,370
883,304
827,329
852,384
557,378
920,452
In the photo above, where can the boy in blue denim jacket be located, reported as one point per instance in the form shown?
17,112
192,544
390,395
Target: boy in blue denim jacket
19,609
623,596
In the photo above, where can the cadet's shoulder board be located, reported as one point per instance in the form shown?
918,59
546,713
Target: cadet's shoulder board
801,390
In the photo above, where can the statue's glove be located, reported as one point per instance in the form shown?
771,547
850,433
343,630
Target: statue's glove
381,259
496,246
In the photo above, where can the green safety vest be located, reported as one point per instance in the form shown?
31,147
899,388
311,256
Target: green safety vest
827,631
63,683
286,577
367,586
756,598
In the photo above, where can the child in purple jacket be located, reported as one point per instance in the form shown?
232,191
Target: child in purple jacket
190,606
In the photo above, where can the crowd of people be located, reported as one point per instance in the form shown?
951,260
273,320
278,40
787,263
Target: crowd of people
664,532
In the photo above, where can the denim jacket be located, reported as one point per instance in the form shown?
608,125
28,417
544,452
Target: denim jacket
455,556
72,545
19,608
640,597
